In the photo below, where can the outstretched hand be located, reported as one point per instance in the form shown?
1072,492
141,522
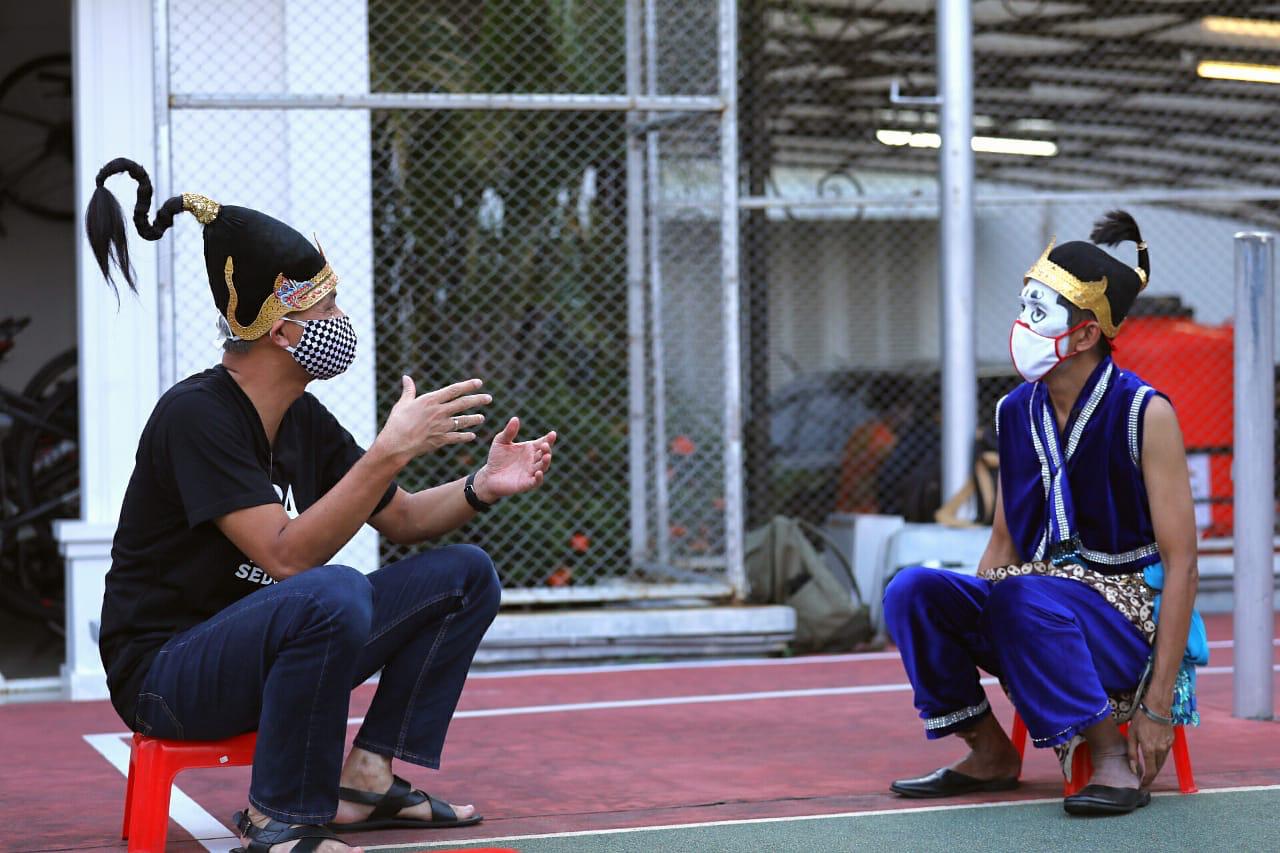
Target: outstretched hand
514,467
418,425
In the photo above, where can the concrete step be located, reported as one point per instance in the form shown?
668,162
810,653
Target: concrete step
635,632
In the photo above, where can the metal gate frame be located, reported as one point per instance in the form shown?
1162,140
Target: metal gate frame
643,110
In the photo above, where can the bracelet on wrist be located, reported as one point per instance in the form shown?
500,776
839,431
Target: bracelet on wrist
469,492
1152,715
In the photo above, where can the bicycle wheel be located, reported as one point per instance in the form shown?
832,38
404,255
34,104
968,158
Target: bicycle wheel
36,140
63,367
47,458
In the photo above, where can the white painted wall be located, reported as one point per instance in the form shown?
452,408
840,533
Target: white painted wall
310,169
111,50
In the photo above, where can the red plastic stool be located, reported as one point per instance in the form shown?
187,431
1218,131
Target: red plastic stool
1082,761
153,763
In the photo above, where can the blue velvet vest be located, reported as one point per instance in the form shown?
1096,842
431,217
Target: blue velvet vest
1078,495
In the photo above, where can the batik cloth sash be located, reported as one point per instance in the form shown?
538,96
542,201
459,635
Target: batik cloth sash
1137,598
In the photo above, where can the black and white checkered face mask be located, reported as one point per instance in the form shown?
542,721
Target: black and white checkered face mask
327,346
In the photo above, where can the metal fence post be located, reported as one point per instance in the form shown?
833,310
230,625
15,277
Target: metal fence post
657,344
734,514
956,265
637,394
1254,474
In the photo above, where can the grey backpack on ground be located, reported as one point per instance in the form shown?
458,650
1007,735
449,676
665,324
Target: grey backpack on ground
784,567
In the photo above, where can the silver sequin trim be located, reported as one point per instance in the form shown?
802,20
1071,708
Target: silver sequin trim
954,717
1106,711
999,403
1135,412
1118,559
1095,399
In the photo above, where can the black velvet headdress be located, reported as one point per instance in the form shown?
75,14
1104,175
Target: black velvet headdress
259,268
1091,278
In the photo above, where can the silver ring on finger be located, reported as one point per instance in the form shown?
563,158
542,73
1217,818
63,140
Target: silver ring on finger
455,423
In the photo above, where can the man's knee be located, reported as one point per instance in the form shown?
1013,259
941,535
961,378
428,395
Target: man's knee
479,577
1013,600
342,595
910,588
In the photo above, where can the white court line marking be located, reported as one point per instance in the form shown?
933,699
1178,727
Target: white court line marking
662,701
1227,644
728,663
907,810
687,664
190,815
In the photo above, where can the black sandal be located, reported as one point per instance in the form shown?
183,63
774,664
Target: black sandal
401,795
263,838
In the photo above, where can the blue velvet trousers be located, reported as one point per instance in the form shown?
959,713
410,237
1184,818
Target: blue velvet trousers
1056,644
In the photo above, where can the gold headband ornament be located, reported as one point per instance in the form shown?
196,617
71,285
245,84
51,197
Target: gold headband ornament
1090,295
287,296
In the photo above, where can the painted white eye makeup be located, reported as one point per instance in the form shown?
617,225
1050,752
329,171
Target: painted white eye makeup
1041,311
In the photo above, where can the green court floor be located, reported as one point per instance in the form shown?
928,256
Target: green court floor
1239,820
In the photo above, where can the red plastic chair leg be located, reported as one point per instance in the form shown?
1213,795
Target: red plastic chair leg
1081,771
1019,736
128,790
1182,761
149,811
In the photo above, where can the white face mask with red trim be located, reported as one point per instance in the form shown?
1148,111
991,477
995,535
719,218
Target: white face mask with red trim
1040,334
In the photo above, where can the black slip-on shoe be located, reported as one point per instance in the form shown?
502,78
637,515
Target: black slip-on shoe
1106,800
948,783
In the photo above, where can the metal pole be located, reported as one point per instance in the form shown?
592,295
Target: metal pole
1254,475
662,496
956,266
636,399
163,180
446,101
733,492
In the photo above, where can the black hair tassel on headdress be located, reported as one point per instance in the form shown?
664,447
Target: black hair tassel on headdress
104,220
1117,226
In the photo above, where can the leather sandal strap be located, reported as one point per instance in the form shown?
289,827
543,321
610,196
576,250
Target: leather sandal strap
398,797
263,838
440,810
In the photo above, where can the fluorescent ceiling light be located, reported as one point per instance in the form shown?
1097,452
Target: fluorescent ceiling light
1251,27
1244,71
981,144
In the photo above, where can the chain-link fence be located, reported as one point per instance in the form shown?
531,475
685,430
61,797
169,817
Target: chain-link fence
531,191
1078,108
489,181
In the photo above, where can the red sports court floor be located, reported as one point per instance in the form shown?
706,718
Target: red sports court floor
590,749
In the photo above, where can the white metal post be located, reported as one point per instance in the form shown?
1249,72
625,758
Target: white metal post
637,388
956,263
162,180
734,512
657,350
1253,473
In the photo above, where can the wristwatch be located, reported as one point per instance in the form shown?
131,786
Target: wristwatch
469,491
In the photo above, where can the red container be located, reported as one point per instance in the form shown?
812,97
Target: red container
1192,364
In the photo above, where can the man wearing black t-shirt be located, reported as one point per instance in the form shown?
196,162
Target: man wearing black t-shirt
222,612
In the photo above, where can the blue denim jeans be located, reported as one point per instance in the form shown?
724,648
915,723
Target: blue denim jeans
283,660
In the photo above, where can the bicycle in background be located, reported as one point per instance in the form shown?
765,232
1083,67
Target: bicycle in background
39,481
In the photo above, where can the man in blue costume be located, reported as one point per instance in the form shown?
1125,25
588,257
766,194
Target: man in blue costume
1094,525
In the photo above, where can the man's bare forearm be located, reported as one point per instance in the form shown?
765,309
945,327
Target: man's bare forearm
317,534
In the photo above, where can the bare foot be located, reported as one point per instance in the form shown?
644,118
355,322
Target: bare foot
261,820
1110,756
367,771
991,753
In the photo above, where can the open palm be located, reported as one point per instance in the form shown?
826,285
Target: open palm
514,466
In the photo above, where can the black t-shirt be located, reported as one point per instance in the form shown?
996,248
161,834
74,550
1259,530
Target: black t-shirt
204,454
